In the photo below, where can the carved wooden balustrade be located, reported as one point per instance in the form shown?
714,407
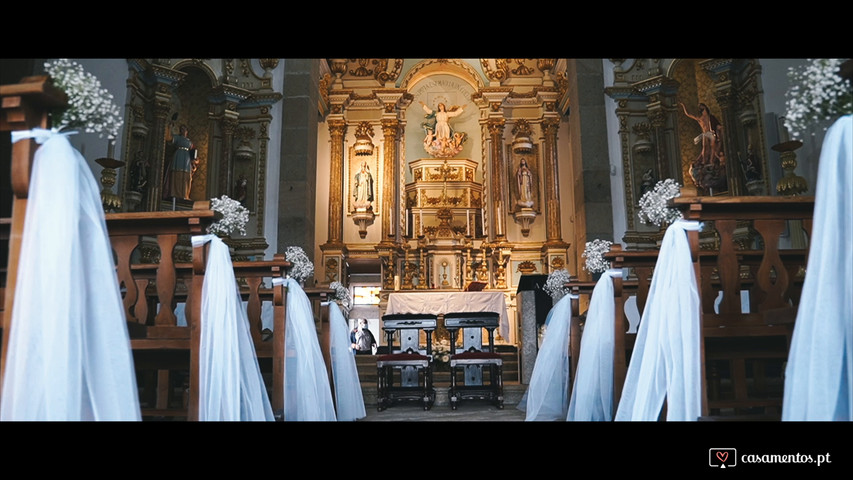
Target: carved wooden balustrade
749,293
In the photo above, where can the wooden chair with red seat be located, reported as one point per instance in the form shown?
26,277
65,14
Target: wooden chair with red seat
405,373
476,362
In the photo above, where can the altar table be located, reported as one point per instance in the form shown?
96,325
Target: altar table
439,303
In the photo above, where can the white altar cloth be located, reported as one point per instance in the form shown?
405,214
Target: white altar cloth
439,303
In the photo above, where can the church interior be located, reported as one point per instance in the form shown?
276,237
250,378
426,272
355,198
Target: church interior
405,179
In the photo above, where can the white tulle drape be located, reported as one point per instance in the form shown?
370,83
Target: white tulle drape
307,395
231,385
819,375
665,362
349,399
592,393
547,396
69,354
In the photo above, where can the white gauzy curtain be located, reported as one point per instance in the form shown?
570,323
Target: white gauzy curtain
819,375
592,395
69,355
547,396
231,385
665,363
307,394
348,396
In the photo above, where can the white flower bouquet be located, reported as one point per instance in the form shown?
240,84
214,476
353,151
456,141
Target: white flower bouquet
90,107
301,266
340,295
441,352
654,209
817,93
555,285
594,254
234,216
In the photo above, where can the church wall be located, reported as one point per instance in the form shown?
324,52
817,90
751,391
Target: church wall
298,178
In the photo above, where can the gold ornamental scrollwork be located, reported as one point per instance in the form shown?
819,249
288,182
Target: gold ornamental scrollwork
495,68
362,69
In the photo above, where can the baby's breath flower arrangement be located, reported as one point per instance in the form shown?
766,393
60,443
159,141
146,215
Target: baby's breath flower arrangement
340,295
90,107
234,216
594,254
302,267
555,285
653,204
817,93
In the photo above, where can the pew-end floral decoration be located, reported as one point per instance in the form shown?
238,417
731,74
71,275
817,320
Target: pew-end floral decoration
555,285
301,266
341,295
594,254
654,204
234,216
90,107
817,94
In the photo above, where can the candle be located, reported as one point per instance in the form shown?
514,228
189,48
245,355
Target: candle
421,222
467,222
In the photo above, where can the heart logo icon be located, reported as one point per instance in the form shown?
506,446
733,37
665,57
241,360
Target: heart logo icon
723,456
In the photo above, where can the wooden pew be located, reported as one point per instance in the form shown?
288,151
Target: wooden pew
23,106
144,324
747,350
159,344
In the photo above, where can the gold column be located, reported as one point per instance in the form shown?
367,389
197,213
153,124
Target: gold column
390,132
496,127
553,229
337,129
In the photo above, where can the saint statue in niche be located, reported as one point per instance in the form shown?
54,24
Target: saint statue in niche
180,169
441,139
524,178
363,188
708,171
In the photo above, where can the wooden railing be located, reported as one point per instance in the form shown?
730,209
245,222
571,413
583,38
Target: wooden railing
744,347
745,344
152,292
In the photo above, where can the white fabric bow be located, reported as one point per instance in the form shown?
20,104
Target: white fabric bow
231,385
592,395
307,394
819,375
40,135
547,396
665,363
69,355
349,399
